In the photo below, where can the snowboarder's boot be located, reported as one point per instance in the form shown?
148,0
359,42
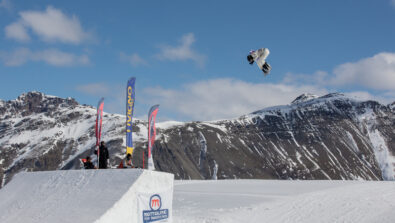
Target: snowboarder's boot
266,68
250,59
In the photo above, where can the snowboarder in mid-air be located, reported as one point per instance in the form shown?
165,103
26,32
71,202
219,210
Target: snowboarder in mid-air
259,56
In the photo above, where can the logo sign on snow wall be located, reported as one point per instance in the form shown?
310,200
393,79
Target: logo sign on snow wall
129,114
155,207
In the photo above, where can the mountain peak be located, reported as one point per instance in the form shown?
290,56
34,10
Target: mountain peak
333,95
37,102
33,94
304,97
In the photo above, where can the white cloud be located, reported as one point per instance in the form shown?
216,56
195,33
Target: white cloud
384,98
59,58
377,72
318,78
94,89
52,57
114,95
390,94
361,95
15,58
224,98
17,31
210,100
134,59
51,25
6,4
393,3
182,52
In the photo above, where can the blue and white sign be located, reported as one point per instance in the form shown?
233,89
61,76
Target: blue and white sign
156,213
155,207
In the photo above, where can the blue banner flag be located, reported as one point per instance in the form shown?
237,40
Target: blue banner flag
129,114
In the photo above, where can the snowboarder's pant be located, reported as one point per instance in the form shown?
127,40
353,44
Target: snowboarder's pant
265,53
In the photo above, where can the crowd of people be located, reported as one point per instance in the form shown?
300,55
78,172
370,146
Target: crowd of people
103,157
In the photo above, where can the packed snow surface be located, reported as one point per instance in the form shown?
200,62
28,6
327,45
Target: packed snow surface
78,195
106,195
283,201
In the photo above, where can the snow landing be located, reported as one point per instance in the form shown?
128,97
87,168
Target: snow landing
103,196
228,201
78,195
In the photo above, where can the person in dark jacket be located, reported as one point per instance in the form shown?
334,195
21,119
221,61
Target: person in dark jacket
103,155
88,163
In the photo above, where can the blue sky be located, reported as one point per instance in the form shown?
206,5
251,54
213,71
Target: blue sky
190,57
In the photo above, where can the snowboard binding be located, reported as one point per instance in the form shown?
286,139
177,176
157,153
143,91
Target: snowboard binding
266,68
250,59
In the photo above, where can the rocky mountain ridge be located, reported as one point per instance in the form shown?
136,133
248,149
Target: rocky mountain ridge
328,137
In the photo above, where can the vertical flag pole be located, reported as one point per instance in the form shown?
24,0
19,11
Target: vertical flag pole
98,127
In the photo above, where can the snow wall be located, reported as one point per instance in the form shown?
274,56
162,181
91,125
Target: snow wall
112,195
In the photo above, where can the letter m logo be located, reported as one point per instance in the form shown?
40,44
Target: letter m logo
155,203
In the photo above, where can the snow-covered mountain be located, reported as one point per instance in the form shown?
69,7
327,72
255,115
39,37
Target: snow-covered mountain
328,137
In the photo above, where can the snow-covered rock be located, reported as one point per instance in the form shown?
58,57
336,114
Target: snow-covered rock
304,97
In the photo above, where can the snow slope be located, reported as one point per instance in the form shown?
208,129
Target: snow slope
283,201
109,195
79,195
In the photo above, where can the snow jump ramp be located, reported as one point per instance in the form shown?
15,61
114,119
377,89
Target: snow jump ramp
112,195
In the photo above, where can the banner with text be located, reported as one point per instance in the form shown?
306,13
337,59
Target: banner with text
155,207
129,114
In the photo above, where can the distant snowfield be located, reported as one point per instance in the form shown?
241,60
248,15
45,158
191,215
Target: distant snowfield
283,201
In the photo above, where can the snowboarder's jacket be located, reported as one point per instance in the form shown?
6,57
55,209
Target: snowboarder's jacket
103,156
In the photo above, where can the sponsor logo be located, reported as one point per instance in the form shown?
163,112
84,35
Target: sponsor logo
156,213
155,202
130,108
